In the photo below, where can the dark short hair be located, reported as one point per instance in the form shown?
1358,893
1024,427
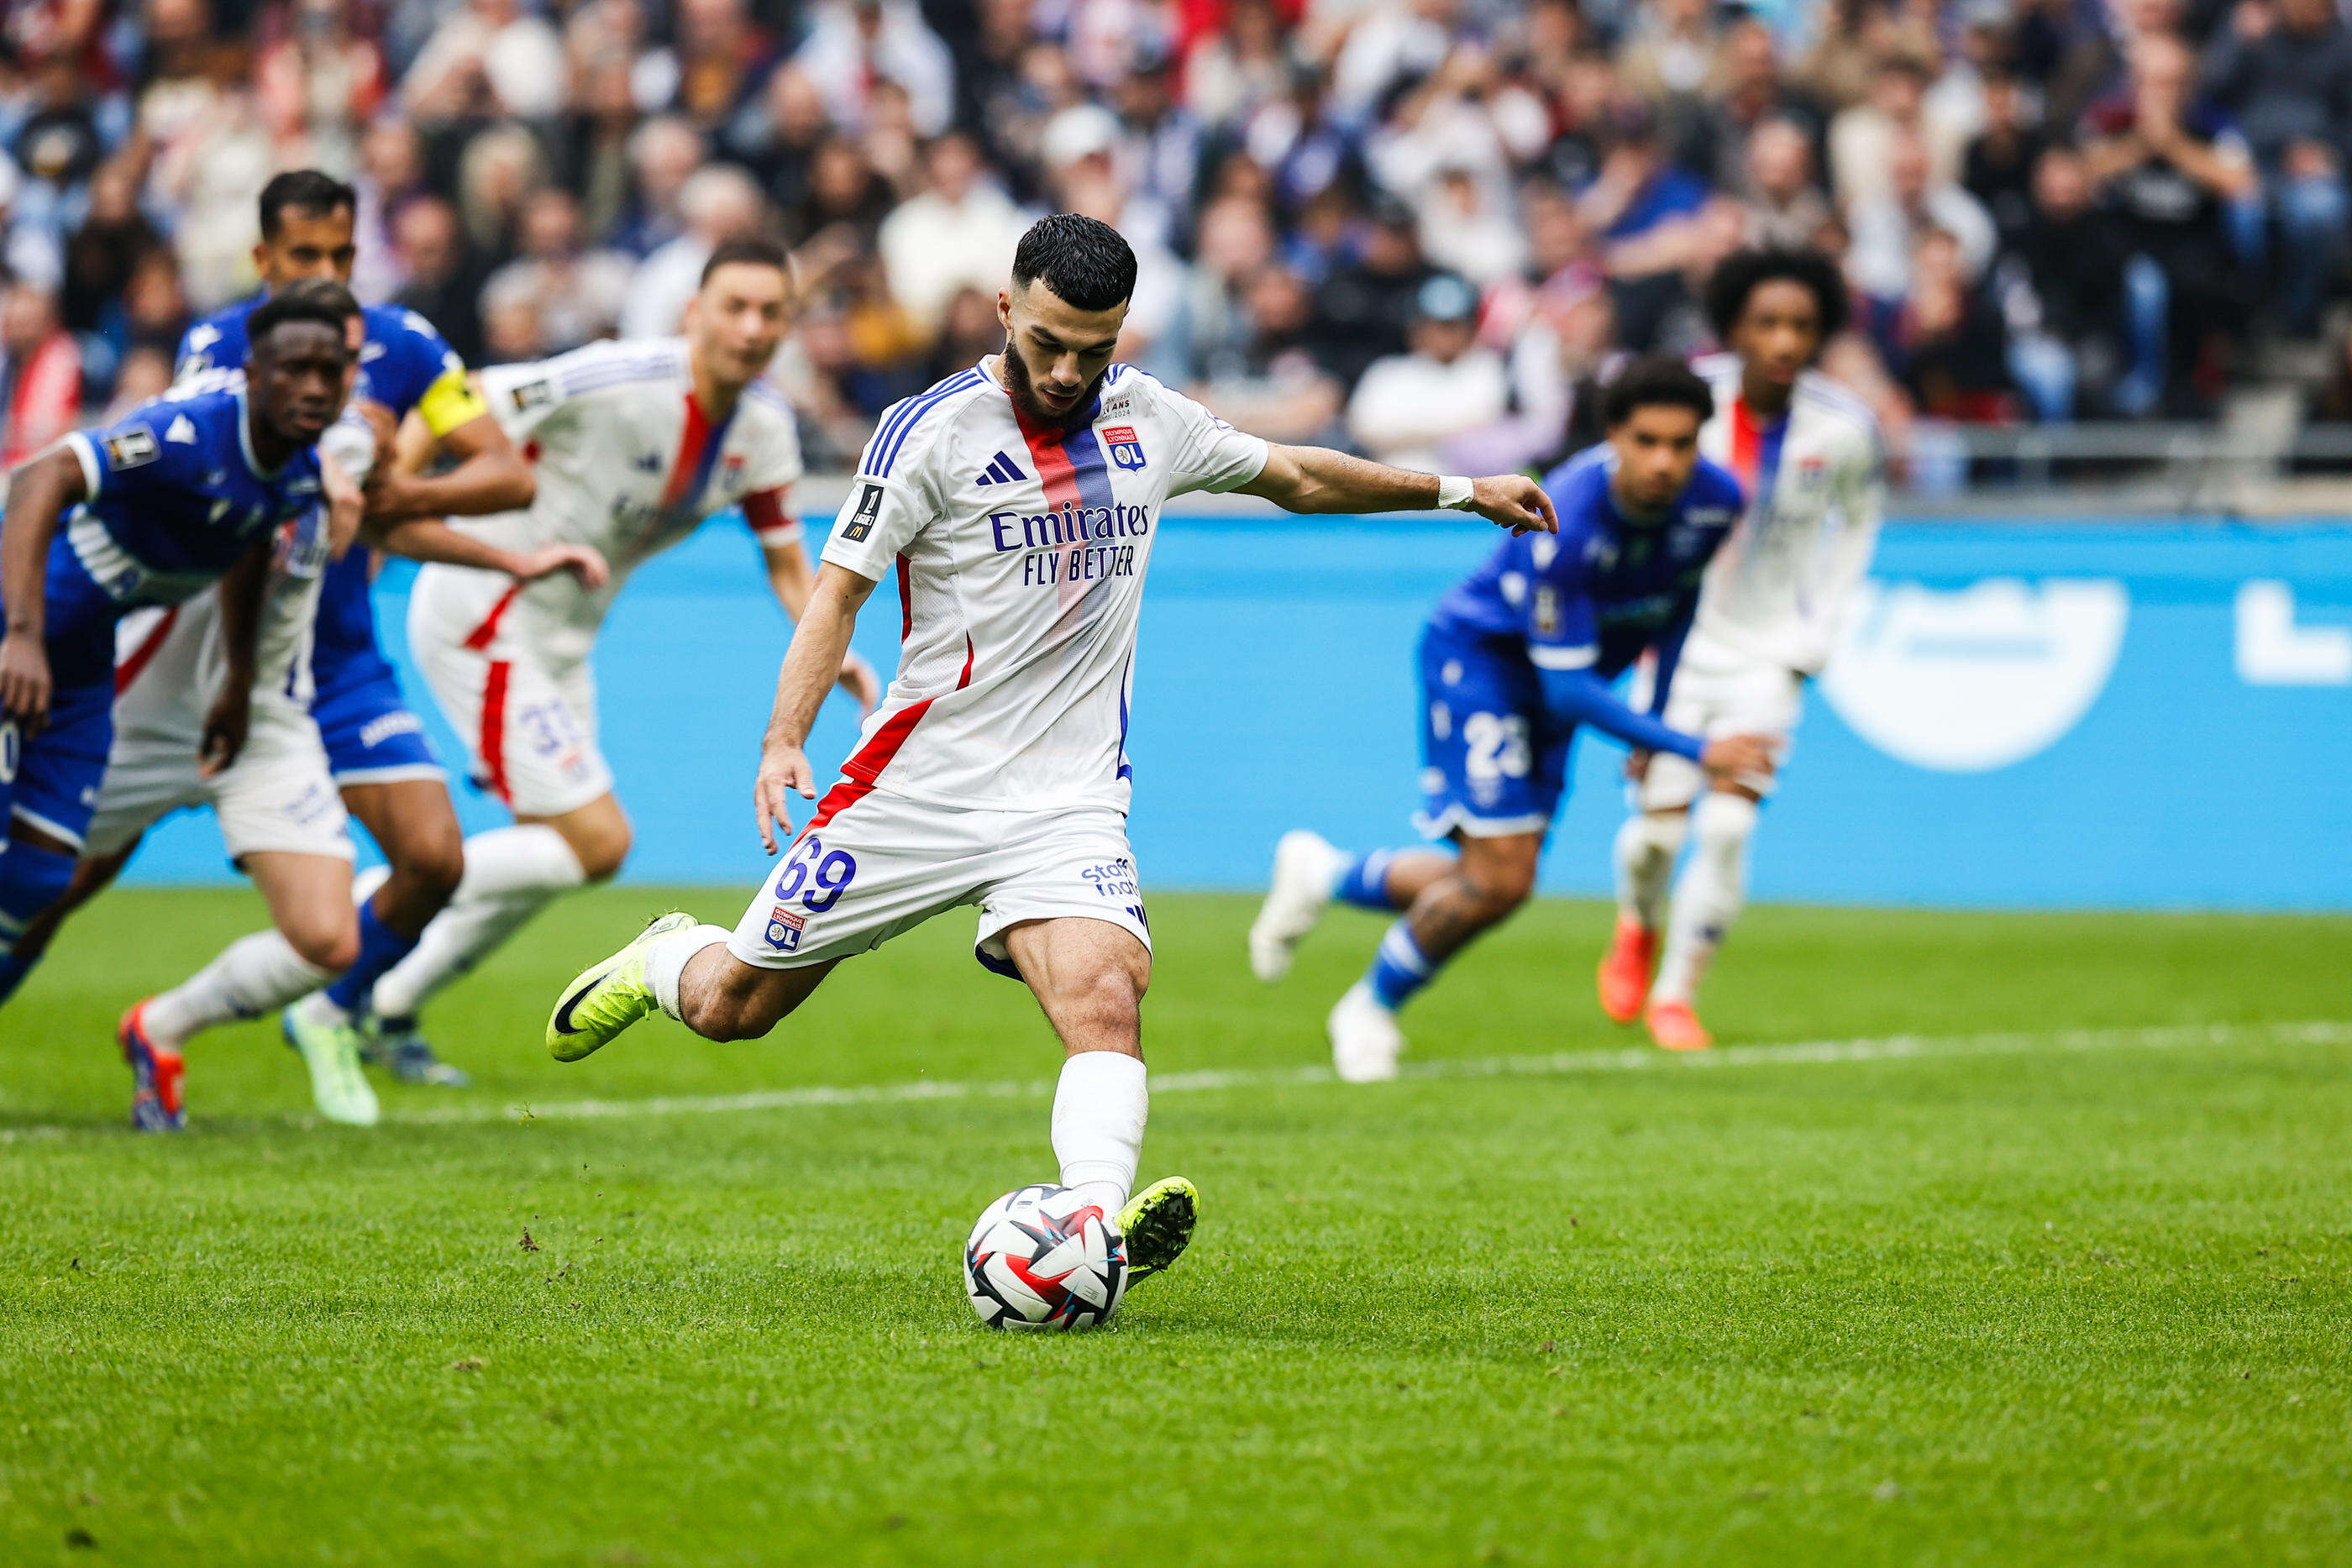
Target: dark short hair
749,251
1655,381
317,299
1744,271
1084,260
304,191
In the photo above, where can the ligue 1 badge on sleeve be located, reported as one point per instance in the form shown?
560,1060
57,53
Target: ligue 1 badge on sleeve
861,521
1125,449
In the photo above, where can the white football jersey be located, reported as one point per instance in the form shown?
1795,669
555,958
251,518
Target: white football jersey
1020,552
627,462
1776,588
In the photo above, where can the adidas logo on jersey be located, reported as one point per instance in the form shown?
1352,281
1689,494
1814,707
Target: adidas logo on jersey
1002,470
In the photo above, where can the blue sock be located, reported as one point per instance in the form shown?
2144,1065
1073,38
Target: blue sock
31,879
1365,883
1398,969
380,948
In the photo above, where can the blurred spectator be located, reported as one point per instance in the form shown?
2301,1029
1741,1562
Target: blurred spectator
2070,263
1945,342
1888,227
662,153
1853,38
1647,212
144,375
959,233
322,76
40,373
443,283
488,58
2171,168
1363,308
776,136
114,235
1268,382
571,295
1997,168
852,44
1160,144
1239,69
1746,92
1784,207
1862,138
392,170
501,168
845,205
719,203
1446,386
968,332
2283,68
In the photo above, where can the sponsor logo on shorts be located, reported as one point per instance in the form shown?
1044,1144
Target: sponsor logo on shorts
868,511
131,447
1112,879
784,929
383,727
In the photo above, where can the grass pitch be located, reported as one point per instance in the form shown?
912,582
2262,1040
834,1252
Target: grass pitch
2045,1297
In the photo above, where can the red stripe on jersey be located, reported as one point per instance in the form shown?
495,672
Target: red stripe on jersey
482,636
1746,444
906,601
689,463
144,655
493,740
875,754
1054,467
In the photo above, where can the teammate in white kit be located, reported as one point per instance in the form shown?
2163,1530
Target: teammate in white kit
634,444
1016,503
1807,453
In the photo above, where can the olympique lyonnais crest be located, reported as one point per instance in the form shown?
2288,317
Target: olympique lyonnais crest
1125,449
784,929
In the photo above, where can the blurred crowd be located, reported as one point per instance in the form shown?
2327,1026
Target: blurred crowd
1419,228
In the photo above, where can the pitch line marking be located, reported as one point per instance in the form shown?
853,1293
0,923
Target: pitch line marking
1564,1063
1556,1064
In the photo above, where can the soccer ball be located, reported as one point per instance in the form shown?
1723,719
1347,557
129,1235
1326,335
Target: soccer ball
1040,1259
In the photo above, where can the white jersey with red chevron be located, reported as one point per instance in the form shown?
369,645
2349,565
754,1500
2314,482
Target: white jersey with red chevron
1776,588
1019,551
627,461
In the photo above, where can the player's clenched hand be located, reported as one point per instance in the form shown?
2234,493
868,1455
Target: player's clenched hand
225,730
1740,756
1514,502
583,561
346,504
858,679
24,682
782,771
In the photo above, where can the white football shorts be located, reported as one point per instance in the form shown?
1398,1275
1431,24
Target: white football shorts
871,865
1718,691
529,720
277,795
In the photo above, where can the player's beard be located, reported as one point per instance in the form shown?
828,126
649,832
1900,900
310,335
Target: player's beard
1024,395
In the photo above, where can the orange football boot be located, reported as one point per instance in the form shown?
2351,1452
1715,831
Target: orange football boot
1624,977
1675,1028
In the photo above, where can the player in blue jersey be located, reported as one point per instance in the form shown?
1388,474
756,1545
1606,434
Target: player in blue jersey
186,493
1513,662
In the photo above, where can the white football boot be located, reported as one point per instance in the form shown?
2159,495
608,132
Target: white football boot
1304,867
1365,1039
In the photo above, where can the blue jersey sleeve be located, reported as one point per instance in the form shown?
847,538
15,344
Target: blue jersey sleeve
157,448
415,357
1563,627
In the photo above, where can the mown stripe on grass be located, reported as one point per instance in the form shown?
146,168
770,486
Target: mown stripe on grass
1562,1064
1886,1048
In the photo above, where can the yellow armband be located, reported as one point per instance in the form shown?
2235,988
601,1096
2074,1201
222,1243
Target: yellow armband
450,402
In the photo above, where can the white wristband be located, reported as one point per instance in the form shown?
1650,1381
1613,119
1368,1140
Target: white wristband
1453,492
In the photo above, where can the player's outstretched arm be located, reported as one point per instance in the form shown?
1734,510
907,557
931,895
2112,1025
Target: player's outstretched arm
1578,697
431,539
39,494
490,475
1317,479
810,666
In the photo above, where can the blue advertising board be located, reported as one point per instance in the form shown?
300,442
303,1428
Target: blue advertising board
2124,713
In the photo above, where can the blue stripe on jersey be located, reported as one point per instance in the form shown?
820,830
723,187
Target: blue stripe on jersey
912,415
896,419
1769,443
1087,466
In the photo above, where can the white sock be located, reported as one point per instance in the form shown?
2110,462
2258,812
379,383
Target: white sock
665,963
1708,897
510,875
1646,847
253,975
1098,1114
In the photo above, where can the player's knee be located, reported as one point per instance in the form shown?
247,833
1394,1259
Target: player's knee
435,860
1723,822
602,846
326,940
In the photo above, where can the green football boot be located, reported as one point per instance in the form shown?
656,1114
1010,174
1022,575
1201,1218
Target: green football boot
322,1035
1158,1222
607,998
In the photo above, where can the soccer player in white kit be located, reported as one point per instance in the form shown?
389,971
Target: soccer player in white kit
1016,503
1807,451
634,444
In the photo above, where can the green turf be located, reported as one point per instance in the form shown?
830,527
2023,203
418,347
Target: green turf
2048,1306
